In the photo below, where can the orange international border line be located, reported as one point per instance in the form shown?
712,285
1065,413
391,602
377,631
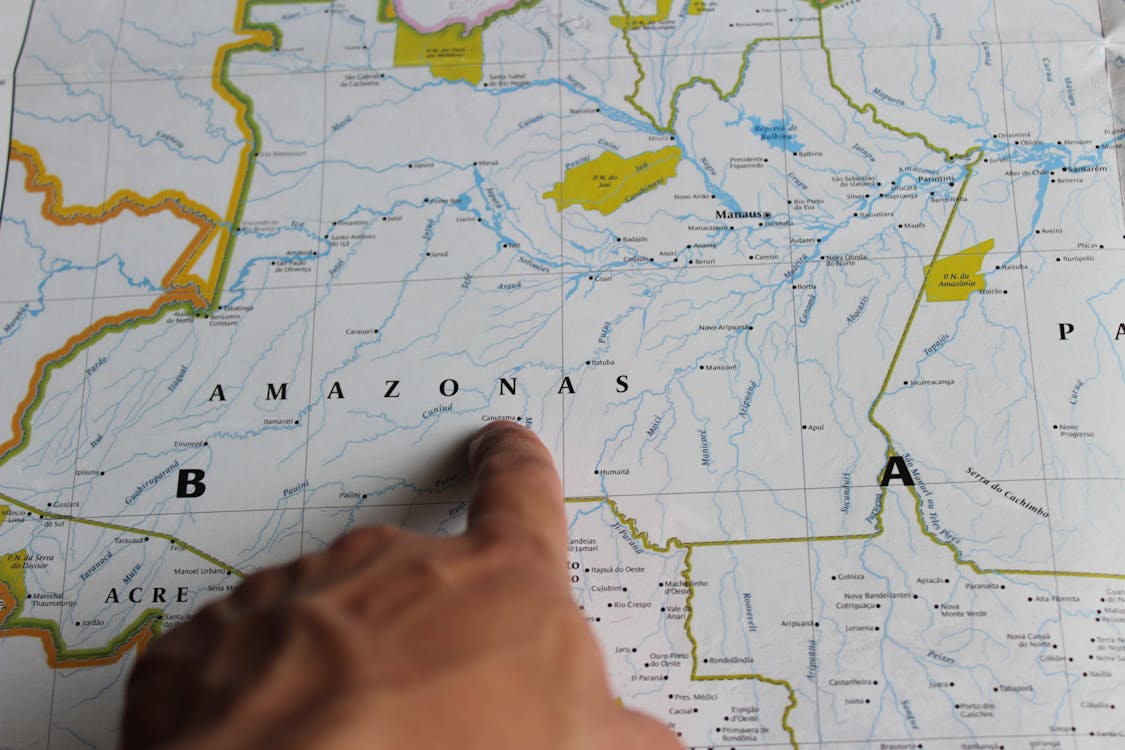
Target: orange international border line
182,289
177,290
138,635
54,210
59,357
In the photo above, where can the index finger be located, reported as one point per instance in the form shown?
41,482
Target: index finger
516,488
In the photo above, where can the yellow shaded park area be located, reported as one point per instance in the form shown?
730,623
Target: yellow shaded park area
449,53
628,23
955,277
606,183
12,573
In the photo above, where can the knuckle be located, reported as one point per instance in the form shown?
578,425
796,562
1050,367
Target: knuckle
303,574
362,547
433,573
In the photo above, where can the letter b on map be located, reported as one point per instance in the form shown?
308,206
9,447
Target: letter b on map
190,483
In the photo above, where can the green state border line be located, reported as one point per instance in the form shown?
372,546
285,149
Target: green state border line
164,309
128,529
160,312
976,152
227,252
67,358
676,543
869,107
754,676
918,298
957,555
61,362
63,654
256,143
673,112
680,88
251,123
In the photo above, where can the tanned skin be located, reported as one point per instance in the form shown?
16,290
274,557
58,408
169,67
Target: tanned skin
389,639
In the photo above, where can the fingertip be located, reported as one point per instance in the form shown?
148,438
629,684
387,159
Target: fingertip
485,438
515,484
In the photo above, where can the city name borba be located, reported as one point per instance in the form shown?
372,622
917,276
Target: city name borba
394,388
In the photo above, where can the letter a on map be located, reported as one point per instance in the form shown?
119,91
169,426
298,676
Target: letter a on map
896,469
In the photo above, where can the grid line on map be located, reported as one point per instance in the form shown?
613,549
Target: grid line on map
867,743
803,48
1035,389
562,242
86,358
12,103
655,269
317,286
532,274
783,117
654,494
330,11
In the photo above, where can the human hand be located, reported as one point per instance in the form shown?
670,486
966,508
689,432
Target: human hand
389,639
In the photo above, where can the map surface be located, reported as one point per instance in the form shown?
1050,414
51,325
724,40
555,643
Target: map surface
820,306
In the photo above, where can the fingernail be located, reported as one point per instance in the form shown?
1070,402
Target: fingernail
474,446
478,441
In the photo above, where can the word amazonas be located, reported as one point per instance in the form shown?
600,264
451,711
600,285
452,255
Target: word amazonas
447,387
